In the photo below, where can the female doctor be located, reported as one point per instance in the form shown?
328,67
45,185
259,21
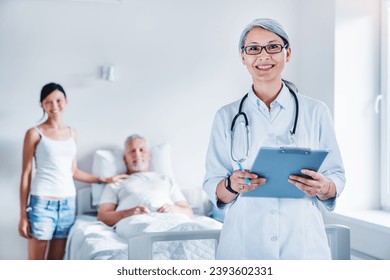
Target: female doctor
272,114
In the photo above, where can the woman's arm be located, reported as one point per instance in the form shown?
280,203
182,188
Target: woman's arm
82,176
30,141
218,166
328,183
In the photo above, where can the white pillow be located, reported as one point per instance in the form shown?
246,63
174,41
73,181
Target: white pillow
109,162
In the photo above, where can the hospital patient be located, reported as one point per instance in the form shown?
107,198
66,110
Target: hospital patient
143,192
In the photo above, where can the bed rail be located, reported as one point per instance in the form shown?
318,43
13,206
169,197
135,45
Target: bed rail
141,246
339,241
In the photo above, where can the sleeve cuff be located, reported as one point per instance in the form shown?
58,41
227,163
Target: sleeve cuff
329,204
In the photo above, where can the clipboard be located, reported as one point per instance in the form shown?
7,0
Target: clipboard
276,164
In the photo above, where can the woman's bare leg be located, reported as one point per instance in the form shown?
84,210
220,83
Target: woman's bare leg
56,249
37,249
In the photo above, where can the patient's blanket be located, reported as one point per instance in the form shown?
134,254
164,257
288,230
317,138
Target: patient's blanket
162,222
91,239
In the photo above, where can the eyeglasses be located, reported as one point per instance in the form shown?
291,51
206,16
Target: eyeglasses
270,49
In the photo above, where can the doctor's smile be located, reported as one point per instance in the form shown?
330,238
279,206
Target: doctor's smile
264,67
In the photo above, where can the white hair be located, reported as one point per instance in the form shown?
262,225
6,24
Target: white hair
267,24
133,137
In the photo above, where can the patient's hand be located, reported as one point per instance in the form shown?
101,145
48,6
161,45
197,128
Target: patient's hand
167,208
178,207
107,213
139,210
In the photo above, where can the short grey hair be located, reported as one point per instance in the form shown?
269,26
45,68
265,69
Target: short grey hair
267,24
133,137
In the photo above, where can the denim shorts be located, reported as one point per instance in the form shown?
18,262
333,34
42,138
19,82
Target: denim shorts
51,218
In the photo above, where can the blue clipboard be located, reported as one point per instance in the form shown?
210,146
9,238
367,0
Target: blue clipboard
277,164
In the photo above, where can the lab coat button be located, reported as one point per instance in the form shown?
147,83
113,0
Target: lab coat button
274,238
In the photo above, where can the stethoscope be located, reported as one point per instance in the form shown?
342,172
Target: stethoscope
291,87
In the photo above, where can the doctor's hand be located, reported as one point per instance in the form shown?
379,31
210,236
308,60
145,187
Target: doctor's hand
239,184
317,185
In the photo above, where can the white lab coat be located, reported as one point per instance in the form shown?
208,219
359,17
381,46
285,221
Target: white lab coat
272,228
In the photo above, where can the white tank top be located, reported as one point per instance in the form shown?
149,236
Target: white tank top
53,162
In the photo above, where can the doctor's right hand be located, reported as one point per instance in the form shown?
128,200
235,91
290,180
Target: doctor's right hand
239,183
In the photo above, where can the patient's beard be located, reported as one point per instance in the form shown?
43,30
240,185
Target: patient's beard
140,167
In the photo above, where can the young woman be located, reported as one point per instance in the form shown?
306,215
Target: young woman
271,227
47,199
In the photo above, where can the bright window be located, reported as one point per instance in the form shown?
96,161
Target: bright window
383,106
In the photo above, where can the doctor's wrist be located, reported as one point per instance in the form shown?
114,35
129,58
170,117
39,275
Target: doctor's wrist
222,194
228,186
327,190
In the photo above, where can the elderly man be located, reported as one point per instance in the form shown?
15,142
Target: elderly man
143,191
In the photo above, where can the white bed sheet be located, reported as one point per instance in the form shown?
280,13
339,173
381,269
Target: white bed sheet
90,239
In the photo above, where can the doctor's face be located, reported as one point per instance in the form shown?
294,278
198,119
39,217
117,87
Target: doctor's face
137,156
264,66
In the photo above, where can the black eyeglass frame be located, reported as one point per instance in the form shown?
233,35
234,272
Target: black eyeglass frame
265,48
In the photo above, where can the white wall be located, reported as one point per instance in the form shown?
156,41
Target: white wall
316,21
176,64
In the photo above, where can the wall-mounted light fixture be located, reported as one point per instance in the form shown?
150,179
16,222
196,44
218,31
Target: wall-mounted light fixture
107,73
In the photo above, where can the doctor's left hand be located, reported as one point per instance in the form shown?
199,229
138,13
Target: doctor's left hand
317,185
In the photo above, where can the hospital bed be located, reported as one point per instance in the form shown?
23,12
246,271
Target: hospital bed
171,236
91,239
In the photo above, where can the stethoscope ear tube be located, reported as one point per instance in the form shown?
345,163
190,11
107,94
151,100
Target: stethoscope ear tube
243,158
293,90
296,113
240,113
235,118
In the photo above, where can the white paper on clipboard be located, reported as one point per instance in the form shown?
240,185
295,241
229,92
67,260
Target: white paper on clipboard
276,164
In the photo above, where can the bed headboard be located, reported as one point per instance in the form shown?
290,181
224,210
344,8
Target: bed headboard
84,202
